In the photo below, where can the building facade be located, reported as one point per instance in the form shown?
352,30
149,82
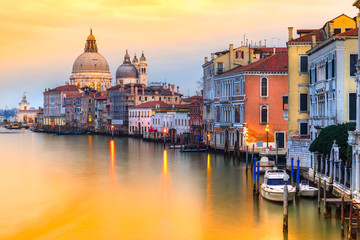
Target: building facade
24,114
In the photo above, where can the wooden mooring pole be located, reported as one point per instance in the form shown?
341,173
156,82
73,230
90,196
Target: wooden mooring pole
350,221
326,213
319,195
342,216
258,179
247,156
285,210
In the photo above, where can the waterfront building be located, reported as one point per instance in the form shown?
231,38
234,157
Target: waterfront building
101,112
332,92
24,114
91,69
298,98
54,108
249,98
175,118
132,72
84,109
196,117
224,61
354,136
140,116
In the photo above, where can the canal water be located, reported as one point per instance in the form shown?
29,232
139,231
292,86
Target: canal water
93,187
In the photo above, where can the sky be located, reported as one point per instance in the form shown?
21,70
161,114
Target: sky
40,39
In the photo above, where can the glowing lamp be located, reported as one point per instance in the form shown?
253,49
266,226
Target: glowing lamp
112,126
165,130
267,128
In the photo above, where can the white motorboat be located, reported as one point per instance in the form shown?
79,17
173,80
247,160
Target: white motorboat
306,190
265,164
273,186
177,146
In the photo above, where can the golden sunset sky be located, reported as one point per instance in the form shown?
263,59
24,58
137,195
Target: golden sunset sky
40,39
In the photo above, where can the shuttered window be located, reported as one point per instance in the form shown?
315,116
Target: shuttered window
352,106
303,102
264,115
303,64
303,129
333,67
353,59
326,70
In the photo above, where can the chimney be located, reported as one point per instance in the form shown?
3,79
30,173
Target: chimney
331,28
172,89
290,33
169,86
177,89
313,41
231,47
274,50
212,56
206,59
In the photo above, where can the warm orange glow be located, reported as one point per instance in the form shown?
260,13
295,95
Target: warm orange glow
165,131
208,163
112,162
112,126
165,162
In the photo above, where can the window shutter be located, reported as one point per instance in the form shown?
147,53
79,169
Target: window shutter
352,106
303,128
353,58
303,64
303,102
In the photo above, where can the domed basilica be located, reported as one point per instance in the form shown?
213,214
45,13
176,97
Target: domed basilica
91,69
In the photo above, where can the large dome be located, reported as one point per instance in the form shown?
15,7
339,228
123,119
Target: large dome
91,62
127,70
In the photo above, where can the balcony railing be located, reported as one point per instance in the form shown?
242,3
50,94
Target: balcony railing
226,124
225,99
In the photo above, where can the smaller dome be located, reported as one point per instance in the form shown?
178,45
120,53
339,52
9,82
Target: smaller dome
142,58
127,70
91,37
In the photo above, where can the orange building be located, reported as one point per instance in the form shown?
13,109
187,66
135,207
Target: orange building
248,100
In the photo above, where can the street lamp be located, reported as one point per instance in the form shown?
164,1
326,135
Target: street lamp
267,137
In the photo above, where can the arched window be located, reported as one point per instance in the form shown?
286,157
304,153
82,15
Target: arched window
93,85
79,85
264,115
264,87
98,86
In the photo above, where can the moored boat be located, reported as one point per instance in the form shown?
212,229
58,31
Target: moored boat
306,190
177,146
193,150
265,164
273,186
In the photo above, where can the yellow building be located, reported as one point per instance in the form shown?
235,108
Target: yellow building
299,88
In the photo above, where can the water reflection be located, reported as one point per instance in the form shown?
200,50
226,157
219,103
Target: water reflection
112,162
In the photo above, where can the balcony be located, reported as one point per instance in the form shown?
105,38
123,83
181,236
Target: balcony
225,99
226,124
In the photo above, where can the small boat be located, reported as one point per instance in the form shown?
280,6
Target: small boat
177,146
193,150
265,164
306,190
273,186
13,126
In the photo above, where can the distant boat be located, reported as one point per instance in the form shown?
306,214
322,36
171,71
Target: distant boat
177,146
273,186
13,126
193,150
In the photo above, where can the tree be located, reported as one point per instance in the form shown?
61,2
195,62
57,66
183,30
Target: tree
323,143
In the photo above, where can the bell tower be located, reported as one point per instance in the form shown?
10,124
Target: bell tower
143,70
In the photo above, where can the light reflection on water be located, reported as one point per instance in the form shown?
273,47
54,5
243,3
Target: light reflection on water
93,187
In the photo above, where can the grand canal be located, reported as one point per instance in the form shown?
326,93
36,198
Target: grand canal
93,187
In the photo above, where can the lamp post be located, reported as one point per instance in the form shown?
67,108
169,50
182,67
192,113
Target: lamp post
164,131
112,130
267,137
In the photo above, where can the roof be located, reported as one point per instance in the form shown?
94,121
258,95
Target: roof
307,38
65,88
153,104
274,63
29,111
302,31
352,32
271,49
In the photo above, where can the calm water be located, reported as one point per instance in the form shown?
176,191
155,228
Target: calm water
92,187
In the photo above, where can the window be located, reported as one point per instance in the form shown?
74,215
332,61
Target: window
220,67
237,54
337,30
264,87
303,102
333,67
311,76
315,74
353,59
352,106
264,115
304,129
326,70
139,98
303,64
